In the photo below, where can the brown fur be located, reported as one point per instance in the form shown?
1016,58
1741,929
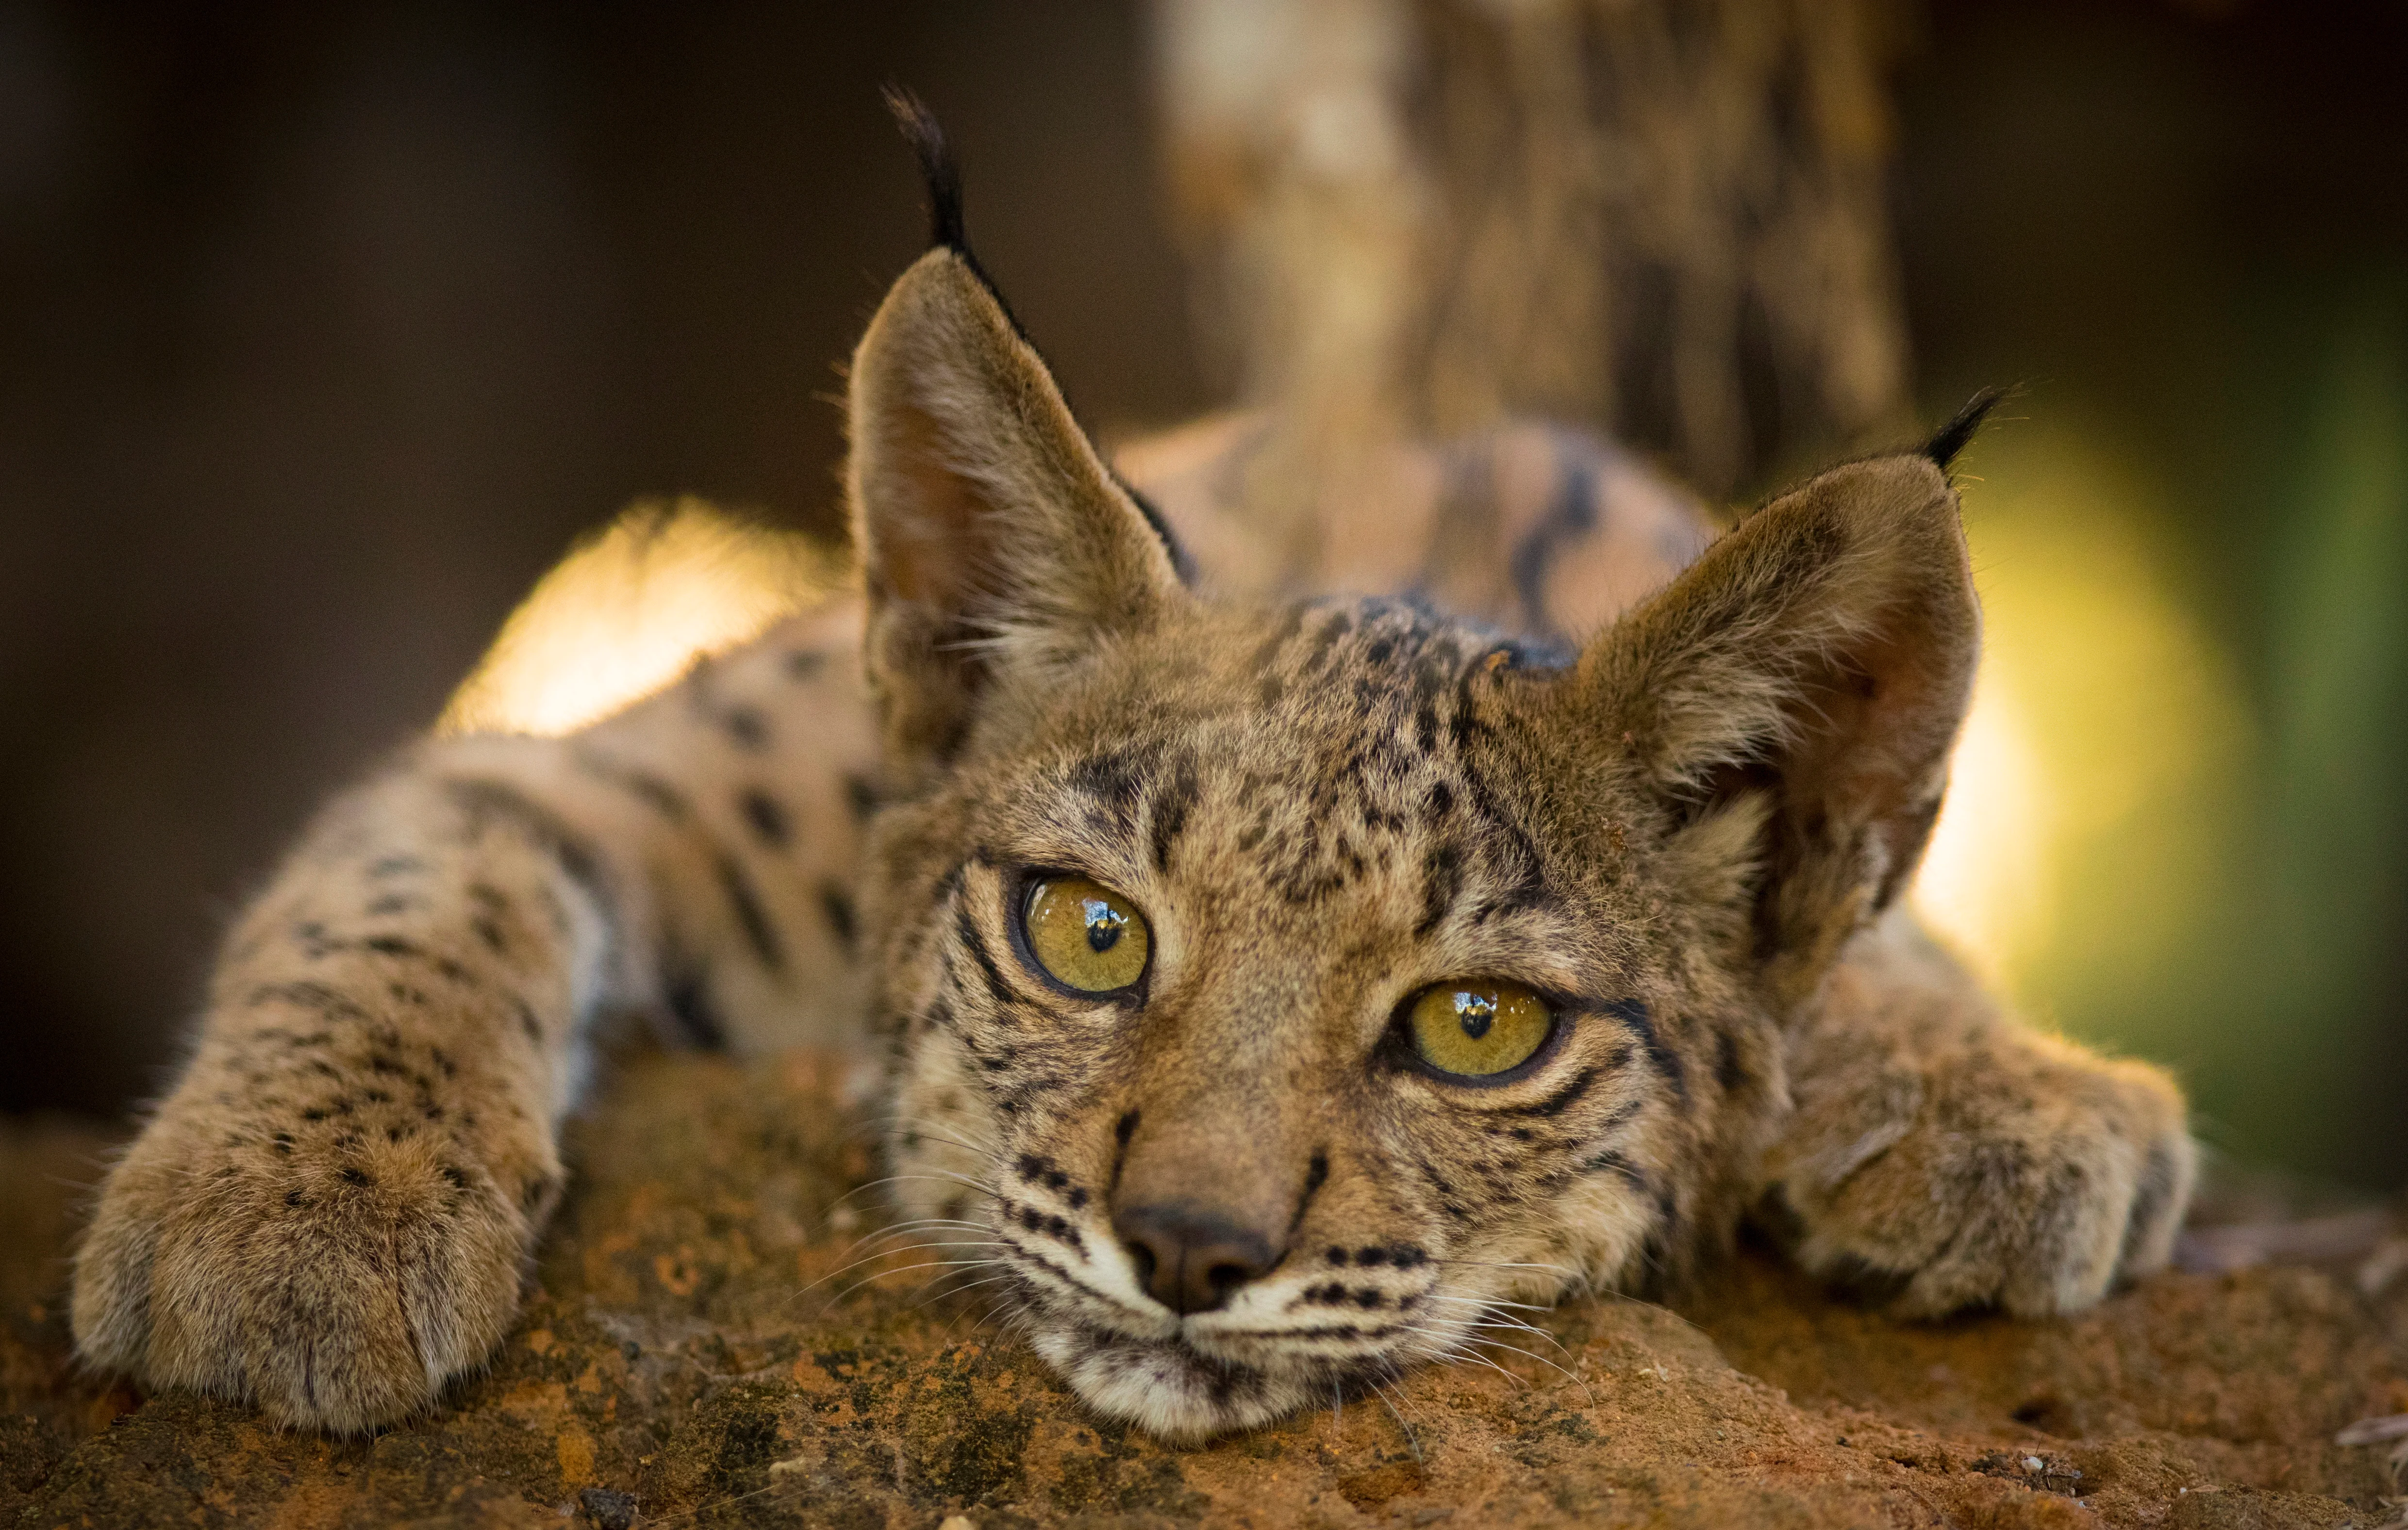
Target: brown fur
1690,833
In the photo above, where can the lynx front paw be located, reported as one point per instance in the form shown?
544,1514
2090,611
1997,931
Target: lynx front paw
338,1278
2017,1171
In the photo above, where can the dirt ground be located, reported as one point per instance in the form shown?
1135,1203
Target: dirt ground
673,1369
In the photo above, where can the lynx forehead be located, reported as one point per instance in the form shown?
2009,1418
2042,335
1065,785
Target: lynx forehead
1273,987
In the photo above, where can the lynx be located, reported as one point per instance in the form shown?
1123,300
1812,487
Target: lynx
1271,984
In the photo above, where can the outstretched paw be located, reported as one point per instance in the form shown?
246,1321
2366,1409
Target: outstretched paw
2011,1169
337,1277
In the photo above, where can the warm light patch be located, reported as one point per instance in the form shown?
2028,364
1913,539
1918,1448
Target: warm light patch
1986,875
628,609
2090,820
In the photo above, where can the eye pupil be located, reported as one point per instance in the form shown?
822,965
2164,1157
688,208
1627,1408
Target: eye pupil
1475,1013
1085,936
1477,1028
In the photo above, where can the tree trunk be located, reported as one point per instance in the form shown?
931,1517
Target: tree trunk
1663,220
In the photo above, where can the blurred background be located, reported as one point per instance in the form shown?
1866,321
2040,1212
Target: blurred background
325,329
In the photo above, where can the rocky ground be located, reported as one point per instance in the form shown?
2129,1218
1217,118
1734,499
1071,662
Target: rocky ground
670,1369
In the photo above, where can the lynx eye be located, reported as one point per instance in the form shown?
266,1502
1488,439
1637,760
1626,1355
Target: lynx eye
1087,935
1476,1029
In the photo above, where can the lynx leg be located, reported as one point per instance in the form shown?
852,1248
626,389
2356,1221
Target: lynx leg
1947,1157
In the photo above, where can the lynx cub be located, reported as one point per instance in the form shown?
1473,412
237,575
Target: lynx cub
1272,982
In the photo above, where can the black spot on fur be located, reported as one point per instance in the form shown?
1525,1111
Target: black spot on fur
805,663
1114,779
746,901
767,817
485,802
860,797
748,727
836,907
686,997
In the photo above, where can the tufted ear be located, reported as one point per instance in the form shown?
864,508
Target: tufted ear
990,530
1791,699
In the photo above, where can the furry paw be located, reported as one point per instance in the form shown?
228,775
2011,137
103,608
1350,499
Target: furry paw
337,1276
2008,1169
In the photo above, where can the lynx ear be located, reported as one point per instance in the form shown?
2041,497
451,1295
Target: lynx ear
990,532
1812,667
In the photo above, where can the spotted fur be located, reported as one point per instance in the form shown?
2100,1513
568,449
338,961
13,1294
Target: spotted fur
1673,784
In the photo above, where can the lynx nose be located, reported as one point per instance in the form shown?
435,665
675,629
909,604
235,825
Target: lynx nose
1189,1258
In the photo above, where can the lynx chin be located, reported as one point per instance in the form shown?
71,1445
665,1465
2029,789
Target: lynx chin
1271,981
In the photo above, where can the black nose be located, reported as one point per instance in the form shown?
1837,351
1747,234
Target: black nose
1191,1258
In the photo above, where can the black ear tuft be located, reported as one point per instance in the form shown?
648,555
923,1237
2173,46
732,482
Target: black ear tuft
1951,438
946,230
937,168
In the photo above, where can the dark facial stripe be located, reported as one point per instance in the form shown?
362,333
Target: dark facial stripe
1441,879
1633,1013
1562,1099
1171,808
967,930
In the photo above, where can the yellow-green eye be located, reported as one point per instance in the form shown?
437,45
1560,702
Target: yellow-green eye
1086,934
1476,1029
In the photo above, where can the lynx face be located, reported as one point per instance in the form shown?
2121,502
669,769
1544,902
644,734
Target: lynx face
1273,990
1244,1174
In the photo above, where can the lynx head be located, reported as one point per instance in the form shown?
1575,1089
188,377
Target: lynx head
1273,989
